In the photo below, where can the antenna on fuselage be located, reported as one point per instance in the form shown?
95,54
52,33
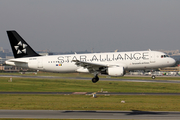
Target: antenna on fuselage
92,50
116,50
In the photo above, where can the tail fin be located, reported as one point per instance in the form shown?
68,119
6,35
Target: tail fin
19,47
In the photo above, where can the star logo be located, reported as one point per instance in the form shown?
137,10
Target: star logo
20,48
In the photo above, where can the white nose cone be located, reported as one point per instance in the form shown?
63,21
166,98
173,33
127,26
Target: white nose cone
172,61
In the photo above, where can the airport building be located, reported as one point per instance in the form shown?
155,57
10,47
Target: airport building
167,69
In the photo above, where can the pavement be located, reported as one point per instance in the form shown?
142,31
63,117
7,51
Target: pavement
101,79
66,114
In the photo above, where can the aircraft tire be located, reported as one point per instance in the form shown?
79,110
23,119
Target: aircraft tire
95,79
153,76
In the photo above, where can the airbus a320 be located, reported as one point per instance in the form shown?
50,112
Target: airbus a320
110,63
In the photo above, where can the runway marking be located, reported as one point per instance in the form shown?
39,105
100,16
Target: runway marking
79,93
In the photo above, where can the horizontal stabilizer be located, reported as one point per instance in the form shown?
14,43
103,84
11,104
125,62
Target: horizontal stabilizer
17,60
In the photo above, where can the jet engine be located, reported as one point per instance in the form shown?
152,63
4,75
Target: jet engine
115,71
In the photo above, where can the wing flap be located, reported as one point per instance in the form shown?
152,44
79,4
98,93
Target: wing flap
85,64
92,67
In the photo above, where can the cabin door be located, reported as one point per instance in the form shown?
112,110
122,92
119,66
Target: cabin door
152,57
40,63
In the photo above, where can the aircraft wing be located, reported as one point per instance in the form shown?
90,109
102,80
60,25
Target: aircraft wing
92,67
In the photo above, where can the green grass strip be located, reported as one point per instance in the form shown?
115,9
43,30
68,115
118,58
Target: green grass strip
85,102
65,85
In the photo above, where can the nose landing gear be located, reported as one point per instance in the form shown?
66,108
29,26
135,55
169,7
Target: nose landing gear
153,76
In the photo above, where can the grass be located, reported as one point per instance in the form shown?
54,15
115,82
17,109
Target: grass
65,85
84,102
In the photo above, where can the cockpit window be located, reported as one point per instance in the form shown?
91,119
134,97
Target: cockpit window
164,56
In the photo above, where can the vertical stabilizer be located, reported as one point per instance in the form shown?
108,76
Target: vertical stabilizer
19,47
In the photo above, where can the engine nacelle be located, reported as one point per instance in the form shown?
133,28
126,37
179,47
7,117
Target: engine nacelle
115,71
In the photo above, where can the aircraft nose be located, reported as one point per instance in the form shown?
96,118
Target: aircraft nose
173,61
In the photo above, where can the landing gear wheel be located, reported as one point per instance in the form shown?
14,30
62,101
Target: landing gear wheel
95,79
153,76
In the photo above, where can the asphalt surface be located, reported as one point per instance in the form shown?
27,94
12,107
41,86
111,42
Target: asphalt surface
101,79
63,114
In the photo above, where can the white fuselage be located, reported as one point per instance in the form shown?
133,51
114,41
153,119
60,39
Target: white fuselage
64,63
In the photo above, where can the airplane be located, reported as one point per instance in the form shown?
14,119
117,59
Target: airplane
110,63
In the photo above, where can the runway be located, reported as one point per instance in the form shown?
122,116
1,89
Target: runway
64,114
101,79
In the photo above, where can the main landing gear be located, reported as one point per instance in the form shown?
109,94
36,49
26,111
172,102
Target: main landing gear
95,79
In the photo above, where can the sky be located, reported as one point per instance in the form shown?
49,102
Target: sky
101,25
